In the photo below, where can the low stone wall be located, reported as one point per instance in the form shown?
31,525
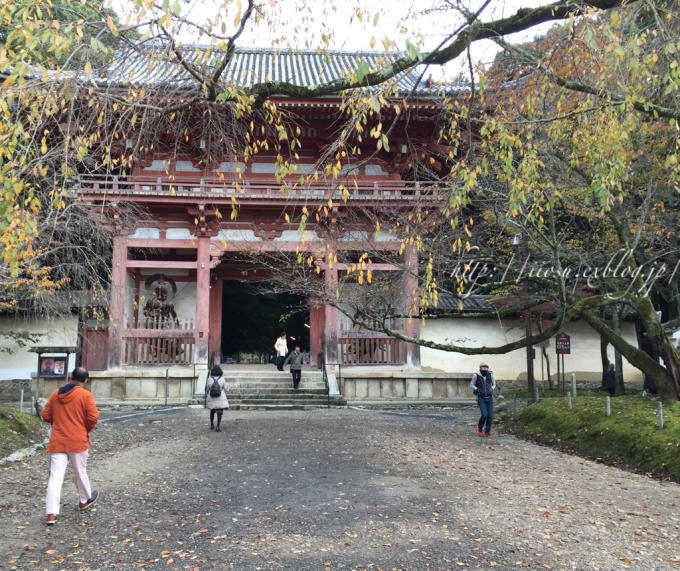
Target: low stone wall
377,384
134,385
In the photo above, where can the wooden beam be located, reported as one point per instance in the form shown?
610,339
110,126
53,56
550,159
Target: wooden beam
372,267
161,264
162,243
159,333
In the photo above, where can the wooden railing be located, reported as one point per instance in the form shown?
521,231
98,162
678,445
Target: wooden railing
187,186
371,351
156,342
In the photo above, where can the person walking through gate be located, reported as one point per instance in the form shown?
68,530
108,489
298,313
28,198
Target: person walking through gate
483,384
281,348
73,415
216,396
295,360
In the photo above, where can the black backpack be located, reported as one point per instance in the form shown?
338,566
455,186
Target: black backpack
215,389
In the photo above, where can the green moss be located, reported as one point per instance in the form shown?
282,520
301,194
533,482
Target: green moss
18,430
631,434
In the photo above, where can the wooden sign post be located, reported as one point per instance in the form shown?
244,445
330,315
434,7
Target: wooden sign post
562,348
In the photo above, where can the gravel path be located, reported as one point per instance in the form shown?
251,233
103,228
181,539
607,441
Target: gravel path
338,489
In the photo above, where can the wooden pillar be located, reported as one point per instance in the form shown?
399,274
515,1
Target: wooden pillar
330,333
410,292
117,301
215,345
316,329
202,300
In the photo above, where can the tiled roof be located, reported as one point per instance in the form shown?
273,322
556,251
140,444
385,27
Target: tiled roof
157,66
449,303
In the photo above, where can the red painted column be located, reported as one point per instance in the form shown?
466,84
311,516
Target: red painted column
316,329
330,330
117,301
410,293
202,300
215,345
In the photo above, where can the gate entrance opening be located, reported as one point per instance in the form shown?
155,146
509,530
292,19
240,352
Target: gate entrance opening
252,321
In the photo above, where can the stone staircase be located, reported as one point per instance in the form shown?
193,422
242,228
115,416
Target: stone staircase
273,390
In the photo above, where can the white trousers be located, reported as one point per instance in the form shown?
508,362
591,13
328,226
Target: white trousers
58,462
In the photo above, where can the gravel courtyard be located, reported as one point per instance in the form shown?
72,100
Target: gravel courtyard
335,489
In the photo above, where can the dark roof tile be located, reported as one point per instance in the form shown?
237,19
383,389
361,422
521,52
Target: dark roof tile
155,65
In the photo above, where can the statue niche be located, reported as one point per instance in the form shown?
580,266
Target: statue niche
159,309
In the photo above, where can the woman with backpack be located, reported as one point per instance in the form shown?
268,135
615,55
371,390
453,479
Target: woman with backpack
216,396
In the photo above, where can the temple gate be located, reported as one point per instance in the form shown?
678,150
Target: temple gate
194,210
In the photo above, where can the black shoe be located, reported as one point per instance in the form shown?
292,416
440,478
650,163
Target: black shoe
88,504
218,429
212,427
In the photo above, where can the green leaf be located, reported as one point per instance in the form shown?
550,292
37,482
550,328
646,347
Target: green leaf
361,71
413,52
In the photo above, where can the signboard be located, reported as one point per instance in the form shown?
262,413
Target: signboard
52,366
562,344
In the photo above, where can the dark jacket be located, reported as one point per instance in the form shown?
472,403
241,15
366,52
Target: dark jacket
295,360
484,385
609,380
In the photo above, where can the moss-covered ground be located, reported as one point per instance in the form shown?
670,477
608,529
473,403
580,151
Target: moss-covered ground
18,430
631,436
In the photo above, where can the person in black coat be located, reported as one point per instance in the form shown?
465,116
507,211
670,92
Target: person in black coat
609,380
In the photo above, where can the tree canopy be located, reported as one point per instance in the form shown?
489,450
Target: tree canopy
570,141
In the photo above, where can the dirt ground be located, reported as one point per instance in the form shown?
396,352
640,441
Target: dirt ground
335,489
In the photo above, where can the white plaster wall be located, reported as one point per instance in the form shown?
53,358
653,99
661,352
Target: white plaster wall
21,363
148,233
185,301
240,234
584,359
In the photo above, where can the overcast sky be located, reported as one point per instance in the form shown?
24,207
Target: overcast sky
336,25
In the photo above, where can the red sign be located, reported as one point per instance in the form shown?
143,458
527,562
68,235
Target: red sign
562,344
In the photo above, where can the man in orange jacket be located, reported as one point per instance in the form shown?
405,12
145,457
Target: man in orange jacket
73,415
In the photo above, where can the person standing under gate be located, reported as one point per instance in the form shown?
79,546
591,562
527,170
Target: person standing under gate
295,360
216,396
281,348
73,415
483,384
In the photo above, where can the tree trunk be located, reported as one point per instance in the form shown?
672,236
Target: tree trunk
544,352
663,377
604,357
618,361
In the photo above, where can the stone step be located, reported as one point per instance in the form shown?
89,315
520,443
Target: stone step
279,401
274,380
275,391
273,373
272,390
277,406
271,387
278,398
